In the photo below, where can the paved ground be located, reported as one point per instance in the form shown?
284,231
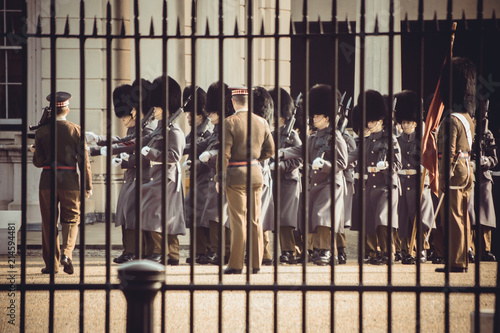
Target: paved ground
318,304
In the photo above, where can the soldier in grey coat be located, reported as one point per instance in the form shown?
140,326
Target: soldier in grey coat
487,214
407,115
322,224
290,186
379,179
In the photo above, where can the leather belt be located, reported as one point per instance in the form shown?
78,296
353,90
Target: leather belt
356,176
372,169
407,172
495,173
60,167
462,155
242,163
159,163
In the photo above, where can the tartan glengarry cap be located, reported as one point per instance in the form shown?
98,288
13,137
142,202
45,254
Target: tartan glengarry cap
62,98
239,91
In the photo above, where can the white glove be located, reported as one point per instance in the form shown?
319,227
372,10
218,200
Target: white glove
88,194
186,165
91,137
124,156
318,163
32,148
145,150
205,156
484,160
116,161
104,151
271,165
382,165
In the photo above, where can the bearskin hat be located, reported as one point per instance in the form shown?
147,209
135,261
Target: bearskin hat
322,101
376,107
407,106
463,86
214,102
263,104
356,120
158,93
286,102
122,100
144,98
201,96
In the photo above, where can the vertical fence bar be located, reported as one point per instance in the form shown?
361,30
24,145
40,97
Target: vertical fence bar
277,173
222,181
390,152
109,176
361,160
53,156
82,164
164,39
305,179
24,169
419,156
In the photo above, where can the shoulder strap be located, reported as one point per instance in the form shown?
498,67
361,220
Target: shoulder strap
464,122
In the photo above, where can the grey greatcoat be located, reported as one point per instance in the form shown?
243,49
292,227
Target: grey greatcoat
377,183
125,205
486,207
210,210
349,179
267,202
290,186
151,191
203,132
320,180
409,187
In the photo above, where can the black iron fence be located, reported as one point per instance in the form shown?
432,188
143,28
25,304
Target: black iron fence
414,35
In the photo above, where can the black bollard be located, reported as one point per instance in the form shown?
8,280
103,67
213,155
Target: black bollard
140,282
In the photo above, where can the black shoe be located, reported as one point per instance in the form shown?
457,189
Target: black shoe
212,258
156,257
323,258
255,270
124,258
342,256
472,258
385,259
287,257
377,261
230,270
267,262
68,265
173,262
398,256
430,255
452,270
488,256
47,271
423,256
408,260
438,261
200,259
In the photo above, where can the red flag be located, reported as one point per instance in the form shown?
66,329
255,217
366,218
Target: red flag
429,148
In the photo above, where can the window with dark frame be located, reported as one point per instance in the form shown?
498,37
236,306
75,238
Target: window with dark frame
10,63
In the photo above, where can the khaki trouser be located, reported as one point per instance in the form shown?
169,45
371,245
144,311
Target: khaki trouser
341,240
172,244
287,239
202,240
215,237
69,206
485,234
459,227
237,204
267,246
379,242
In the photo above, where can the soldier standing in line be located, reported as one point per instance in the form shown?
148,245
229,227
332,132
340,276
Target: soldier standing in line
125,109
234,169
263,107
487,214
322,224
461,106
70,152
203,131
290,186
379,179
407,115
208,150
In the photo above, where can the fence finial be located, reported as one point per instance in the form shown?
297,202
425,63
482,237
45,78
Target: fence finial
292,26
122,32
94,32
320,24
178,33
236,32
262,30
464,19
207,28
152,28
407,23
375,30
39,26
66,26
436,22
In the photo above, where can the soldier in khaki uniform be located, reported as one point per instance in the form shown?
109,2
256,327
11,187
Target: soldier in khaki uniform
70,152
461,180
234,169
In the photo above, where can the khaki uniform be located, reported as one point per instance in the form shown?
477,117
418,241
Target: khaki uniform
460,189
70,152
235,152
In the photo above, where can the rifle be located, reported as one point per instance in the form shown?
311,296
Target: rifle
486,142
180,110
149,117
287,132
47,112
338,115
330,129
345,116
